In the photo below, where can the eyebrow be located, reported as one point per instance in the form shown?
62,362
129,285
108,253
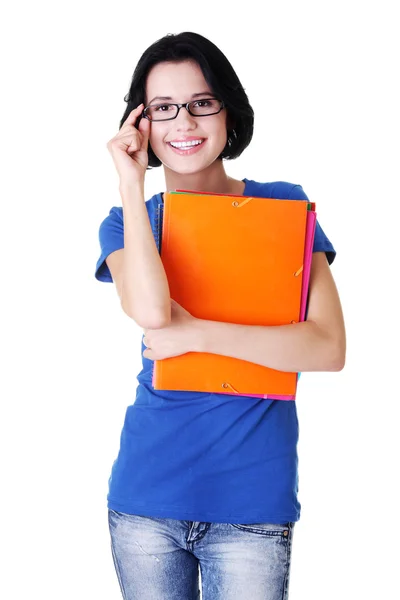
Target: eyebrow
201,94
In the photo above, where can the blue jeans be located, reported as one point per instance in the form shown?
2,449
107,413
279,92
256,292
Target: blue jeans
160,559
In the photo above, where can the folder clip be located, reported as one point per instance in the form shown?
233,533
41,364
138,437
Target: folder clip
236,204
228,385
298,272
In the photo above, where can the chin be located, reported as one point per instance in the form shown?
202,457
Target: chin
191,167
188,170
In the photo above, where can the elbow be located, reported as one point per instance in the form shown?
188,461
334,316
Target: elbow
338,366
148,321
159,322
337,357
332,351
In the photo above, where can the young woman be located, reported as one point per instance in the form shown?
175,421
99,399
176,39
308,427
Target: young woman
203,483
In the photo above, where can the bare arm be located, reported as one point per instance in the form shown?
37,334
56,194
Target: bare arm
137,269
144,289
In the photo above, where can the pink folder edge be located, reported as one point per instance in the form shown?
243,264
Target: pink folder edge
308,248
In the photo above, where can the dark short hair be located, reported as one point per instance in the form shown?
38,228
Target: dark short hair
218,73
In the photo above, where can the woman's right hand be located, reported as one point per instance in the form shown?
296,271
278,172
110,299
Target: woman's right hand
129,149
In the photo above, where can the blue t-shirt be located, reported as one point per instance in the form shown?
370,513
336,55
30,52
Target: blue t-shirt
199,456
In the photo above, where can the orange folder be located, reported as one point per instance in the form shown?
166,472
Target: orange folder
234,259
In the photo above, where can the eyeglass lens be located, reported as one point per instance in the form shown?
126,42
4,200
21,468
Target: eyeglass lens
161,112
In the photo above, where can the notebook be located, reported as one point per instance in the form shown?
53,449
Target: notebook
241,260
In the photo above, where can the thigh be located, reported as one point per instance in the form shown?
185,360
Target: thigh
239,562
148,561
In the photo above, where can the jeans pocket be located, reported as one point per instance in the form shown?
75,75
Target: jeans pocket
282,530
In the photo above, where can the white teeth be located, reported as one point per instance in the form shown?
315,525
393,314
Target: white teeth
186,144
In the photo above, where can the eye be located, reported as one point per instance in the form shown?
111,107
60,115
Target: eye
161,107
203,103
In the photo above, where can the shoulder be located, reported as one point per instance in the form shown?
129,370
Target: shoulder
111,235
283,190
116,214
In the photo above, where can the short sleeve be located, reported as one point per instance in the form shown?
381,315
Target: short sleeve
111,238
323,244
321,241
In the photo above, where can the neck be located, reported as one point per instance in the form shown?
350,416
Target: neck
213,179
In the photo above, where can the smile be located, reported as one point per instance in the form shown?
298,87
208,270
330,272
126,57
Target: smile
186,148
186,144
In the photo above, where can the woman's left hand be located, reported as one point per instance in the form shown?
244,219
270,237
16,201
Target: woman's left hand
179,337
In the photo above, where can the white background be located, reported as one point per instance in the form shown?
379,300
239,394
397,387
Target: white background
321,78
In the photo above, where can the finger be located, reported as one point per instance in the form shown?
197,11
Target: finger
144,128
128,124
134,114
129,136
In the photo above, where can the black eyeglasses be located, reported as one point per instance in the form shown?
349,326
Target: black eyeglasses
196,108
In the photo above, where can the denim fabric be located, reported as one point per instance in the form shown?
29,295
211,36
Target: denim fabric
168,559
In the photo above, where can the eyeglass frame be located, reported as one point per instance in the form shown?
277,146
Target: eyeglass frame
179,106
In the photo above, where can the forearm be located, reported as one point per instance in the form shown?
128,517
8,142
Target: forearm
145,293
296,347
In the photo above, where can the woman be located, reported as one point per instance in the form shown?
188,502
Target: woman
202,482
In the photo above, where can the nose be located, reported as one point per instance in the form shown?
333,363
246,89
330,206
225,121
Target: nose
184,120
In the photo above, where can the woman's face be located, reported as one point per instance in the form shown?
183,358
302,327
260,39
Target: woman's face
182,82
